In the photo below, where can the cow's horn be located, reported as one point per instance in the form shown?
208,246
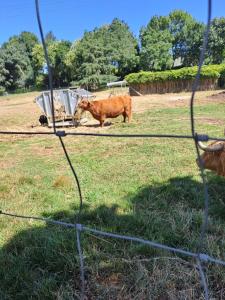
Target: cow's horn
213,148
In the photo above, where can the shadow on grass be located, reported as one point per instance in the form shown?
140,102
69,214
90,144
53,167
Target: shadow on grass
41,262
106,124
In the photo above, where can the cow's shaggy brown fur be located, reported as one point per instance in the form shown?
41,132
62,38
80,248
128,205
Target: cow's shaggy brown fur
109,108
215,161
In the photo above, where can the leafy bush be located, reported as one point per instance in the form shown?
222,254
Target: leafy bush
23,90
95,82
41,81
222,78
2,90
210,71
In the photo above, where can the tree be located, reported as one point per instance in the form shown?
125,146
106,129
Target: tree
29,40
103,55
50,37
17,66
122,48
2,72
156,45
217,41
89,59
165,39
57,54
38,58
17,70
187,37
57,51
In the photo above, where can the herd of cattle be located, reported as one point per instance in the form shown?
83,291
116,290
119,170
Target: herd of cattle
213,157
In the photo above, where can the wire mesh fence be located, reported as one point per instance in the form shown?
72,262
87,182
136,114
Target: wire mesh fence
199,256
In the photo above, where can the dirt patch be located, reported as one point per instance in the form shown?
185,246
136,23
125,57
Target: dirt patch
143,103
205,120
6,164
219,96
62,182
42,150
211,121
20,113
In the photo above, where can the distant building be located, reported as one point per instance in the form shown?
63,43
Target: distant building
177,62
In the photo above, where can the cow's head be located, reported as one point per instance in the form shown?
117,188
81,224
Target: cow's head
84,104
213,157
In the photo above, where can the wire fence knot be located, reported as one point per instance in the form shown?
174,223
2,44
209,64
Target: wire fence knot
79,227
201,137
60,133
204,257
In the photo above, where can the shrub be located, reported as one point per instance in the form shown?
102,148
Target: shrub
222,79
41,81
210,71
95,82
2,90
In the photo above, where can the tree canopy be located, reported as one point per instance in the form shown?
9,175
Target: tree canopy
167,39
187,37
156,44
109,52
57,51
17,68
104,54
217,41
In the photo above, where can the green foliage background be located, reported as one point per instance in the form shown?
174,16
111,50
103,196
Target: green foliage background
111,52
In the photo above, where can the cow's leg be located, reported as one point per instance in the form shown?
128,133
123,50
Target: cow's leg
102,120
128,114
124,116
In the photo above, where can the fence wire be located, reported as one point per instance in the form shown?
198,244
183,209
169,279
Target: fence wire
199,256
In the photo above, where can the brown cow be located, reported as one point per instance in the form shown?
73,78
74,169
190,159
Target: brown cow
213,157
109,108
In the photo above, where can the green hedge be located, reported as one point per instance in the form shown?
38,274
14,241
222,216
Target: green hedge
210,71
222,78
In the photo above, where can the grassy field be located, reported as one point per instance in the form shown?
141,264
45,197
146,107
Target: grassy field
148,188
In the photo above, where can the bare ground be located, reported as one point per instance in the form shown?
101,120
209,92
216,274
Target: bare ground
19,112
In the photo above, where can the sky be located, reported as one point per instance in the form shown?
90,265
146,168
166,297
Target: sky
69,18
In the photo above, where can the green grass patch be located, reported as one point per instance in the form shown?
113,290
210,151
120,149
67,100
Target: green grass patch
148,188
